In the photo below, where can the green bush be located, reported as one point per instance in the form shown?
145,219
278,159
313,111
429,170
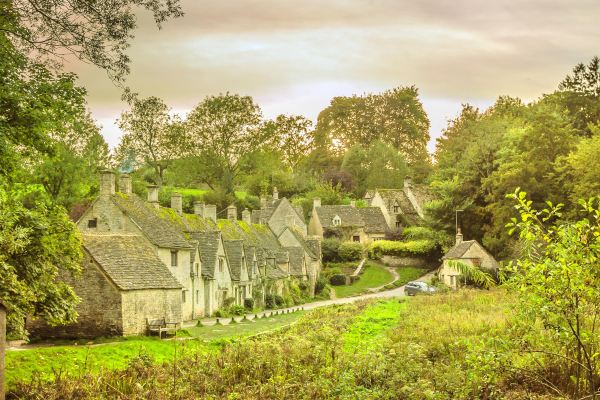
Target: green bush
350,251
221,313
418,233
423,247
279,300
320,285
338,280
330,250
270,301
237,310
248,304
228,302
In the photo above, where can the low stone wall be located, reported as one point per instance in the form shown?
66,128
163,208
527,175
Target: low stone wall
393,261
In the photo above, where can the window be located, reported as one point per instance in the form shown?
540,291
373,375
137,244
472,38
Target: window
197,296
197,271
337,221
221,264
356,238
173,258
255,267
396,209
183,296
93,223
398,224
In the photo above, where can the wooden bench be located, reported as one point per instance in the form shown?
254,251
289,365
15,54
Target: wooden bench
160,325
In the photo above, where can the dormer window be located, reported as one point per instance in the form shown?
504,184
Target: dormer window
337,221
93,223
396,209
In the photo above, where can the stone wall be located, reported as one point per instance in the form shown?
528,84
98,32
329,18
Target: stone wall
147,304
99,310
393,261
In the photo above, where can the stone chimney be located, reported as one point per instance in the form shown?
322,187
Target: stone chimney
232,213
247,216
459,237
177,203
210,212
316,202
290,220
199,208
408,182
153,195
107,183
263,202
125,184
353,203
275,193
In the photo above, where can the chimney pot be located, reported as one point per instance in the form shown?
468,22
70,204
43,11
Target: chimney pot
199,208
459,236
177,203
263,202
210,212
407,182
232,213
125,184
107,182
247,216
153,195
316,202
275,193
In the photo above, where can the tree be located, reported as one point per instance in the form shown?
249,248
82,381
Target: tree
152,136
221,130
395,117
294,138
97,32
558,282
585,79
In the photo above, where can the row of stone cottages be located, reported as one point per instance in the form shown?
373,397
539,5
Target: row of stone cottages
143,261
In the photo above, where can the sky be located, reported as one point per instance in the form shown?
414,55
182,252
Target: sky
293,57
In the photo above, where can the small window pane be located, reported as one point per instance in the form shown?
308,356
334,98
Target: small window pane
173,259
93,223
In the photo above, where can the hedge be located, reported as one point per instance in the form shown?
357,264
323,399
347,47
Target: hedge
350,251
401,249
418,233
338,280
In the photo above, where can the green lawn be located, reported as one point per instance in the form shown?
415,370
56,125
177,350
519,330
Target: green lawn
408,274
374,275
75,359
200,192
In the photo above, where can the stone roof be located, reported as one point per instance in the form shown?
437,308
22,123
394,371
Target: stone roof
459,250
274,272
282,257
374,220
303,242
129,261
235,251
296,257
264,214
208,247
350,216
159,231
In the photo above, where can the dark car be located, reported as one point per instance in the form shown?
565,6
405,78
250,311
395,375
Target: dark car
415,287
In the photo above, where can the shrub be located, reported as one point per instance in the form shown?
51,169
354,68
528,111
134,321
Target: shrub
330,250
423,247
237,310
248,304
270,301
221,313
320,285
228,302
350,251
338,280
279,300
418,233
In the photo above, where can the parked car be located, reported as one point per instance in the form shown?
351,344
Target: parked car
416,287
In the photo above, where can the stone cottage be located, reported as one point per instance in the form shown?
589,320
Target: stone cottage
400,207
278,214
469,252
347,222
122,285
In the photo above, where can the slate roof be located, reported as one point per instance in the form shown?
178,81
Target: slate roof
349,215
234,250
208,247
159,231
296,257
274,272
264,214
374,220
282,257
459,250
302,241
129,261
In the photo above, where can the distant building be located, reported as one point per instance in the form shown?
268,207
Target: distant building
469,252
400,207
363,225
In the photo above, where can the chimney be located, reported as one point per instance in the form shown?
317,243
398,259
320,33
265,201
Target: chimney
407,182
107,182
290,220
125,184
177,203
247,216
210,212
232,213
459,237
275,193
353,203
153,195
199,208
316,202
263,202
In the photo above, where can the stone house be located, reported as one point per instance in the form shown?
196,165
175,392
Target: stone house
400,207
278,214
469,252
347,222
123,284
125,212
306,248
236,256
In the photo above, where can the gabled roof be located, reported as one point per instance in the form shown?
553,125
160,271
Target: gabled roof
159,231
459,250
350,216
301,240
296,257
129,261
235,251
264,214
374,220
208,247
274,272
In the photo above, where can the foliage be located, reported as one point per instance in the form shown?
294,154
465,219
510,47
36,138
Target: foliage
585,79
350,251
237,310
372,276
330,250
581,179
325,191
249,304
293,137
337,279
320,285
558,283
152,137
422,247
269,301
473,274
